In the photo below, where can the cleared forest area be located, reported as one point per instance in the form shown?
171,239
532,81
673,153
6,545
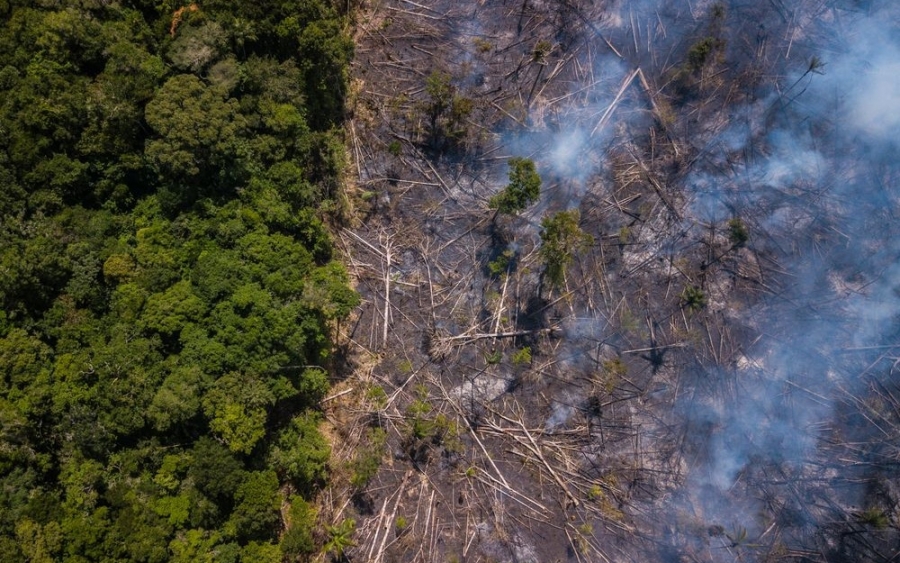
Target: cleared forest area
684,348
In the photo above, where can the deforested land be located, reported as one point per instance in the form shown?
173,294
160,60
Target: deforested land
628,280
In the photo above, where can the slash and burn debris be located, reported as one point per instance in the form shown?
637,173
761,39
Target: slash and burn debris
711,367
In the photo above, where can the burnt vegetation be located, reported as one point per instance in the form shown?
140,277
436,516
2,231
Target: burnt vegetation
668,351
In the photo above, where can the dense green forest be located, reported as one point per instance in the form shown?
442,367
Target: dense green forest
168,286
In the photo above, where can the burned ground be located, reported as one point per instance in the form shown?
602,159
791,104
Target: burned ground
714,378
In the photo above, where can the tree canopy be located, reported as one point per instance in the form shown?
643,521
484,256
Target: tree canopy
561,239
164,270
523,189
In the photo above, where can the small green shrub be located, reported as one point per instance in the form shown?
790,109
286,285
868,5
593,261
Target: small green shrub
440,92
874,517
521,357
298,540
446,432
493,357
483,45
541,50
340,537
418,408
615,367
737,232
377,396
421,427
500,265
629,322
613,372
700,52
368,459
693,298
585,531
460,108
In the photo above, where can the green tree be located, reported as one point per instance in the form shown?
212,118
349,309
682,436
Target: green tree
215,470
40,544
196,46
237,408
178,399
298,540
195,546
300,453
257,502
168,312
23,357
561,240
523,189
325,51
261,552
440,95
197,129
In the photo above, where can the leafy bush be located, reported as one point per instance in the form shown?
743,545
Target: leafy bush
500,265
693,298
368,458
521,357
699,53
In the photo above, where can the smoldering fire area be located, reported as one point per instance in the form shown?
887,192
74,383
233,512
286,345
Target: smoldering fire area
685,349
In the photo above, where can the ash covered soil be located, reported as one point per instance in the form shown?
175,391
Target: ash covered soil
713,377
